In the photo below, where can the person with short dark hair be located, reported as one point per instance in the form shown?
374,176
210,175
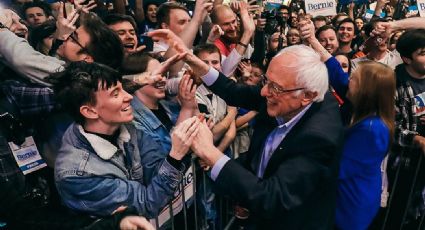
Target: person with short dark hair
320,21
346,32
328,38
37,12
126,28
407,156
104,163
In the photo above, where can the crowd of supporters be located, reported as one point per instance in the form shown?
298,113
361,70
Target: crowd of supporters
113,112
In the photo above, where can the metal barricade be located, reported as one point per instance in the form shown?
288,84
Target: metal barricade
189,215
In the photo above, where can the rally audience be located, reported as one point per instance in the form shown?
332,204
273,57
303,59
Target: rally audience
77,151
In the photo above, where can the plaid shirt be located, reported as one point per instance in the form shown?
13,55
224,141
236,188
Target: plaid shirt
26,100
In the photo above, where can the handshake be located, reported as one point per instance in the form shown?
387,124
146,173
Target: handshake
194,133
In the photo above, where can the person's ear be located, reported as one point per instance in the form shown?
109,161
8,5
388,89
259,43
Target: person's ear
406,60
88,59
308,97
89,112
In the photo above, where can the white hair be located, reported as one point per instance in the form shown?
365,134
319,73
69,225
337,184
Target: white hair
312,73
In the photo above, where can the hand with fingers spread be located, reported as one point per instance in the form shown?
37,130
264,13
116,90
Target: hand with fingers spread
187,91
182,137
78,4
247,21
215,33
170,38
65,26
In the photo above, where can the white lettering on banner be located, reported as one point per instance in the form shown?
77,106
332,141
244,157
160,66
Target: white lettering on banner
421,7
177,203
320,7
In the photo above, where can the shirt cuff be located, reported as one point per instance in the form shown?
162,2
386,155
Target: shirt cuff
210,77
216,169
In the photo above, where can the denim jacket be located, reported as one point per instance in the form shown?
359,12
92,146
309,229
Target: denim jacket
145,120
95,177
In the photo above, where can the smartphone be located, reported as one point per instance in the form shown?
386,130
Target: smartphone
147,41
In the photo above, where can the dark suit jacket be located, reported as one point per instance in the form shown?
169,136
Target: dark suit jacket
298,189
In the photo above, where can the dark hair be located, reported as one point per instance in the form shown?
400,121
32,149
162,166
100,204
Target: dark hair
411,41
345,20
163,12
348,58
320,18
324,28
40,4
136,63
105,46
41,32
368,28
209,48
112,19
284,7
76,85
335,18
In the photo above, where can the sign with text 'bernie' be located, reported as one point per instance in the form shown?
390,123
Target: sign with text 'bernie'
421,7
320,7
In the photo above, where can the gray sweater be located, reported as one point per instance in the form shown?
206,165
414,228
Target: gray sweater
17,53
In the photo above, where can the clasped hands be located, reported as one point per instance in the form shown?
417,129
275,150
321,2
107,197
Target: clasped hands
195,134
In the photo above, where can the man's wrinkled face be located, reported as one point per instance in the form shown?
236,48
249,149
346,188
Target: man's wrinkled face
228,22
328,39
346,32
127,34
282,77
18,26
75,47
35,16
179,19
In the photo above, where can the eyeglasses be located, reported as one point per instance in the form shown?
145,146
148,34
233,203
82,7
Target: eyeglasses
74,39
276,89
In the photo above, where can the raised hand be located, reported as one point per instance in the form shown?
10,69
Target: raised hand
187,91
78,4
215,33
182,137
65,26
170,38
202,8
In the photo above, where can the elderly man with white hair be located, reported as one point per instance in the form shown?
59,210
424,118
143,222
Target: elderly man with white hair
287,179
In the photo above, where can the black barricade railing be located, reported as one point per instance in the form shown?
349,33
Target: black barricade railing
191,215
407,180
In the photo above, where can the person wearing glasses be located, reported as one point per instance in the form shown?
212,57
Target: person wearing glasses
287,179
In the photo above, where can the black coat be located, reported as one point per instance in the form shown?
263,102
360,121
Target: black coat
298,189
